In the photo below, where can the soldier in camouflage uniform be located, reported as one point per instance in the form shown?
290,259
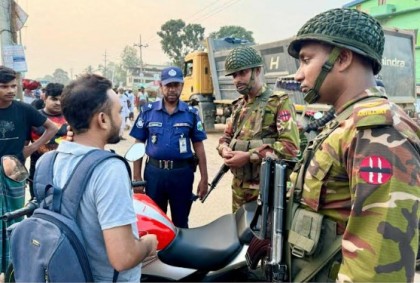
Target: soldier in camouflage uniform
262,125
362,172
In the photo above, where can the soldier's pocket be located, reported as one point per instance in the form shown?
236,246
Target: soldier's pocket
316,175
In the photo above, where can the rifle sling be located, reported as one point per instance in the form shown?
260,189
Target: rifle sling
296,194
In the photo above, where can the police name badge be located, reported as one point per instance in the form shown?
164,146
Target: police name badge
182,144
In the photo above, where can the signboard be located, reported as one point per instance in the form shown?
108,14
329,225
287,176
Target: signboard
14,58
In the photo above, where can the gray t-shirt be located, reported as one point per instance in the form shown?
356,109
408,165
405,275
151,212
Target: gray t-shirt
106,203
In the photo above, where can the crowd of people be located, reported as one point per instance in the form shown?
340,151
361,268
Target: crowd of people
357,181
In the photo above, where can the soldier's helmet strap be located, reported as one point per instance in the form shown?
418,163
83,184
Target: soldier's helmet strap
313,95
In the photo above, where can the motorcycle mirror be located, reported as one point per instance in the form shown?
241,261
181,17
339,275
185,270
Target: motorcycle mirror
318,115
135,152
13,169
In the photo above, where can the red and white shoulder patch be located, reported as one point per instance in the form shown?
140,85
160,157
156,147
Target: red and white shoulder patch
284,115
375,170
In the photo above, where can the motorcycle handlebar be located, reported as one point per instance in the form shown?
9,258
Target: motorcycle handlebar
26,210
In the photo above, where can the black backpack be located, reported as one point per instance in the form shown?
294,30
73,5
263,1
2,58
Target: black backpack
49,246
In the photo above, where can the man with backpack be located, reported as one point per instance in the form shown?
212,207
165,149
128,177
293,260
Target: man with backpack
105,212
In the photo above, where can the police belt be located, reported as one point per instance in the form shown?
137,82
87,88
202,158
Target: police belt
170,164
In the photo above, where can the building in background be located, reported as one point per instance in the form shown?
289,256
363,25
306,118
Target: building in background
402,14
148,76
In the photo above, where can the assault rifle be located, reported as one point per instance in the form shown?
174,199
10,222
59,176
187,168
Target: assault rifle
269,221
223,169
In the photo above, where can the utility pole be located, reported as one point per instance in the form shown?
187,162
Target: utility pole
8,34
141,46
104,74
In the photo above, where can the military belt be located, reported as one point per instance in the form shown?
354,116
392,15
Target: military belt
170,164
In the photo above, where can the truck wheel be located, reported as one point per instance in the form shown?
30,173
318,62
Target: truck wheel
223,120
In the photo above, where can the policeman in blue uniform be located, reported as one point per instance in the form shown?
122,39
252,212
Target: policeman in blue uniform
171,130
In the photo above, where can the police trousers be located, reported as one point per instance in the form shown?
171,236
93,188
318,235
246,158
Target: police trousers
173,186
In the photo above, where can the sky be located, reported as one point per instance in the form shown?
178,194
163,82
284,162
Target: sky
73,34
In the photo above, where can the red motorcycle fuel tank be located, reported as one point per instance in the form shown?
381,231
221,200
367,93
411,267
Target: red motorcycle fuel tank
152,220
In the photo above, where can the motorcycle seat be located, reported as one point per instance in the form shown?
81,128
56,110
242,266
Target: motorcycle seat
209,247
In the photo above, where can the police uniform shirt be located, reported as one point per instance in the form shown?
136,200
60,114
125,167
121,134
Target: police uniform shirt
163,132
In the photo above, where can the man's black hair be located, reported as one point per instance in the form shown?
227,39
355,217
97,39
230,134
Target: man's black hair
53,89
7,75
83,98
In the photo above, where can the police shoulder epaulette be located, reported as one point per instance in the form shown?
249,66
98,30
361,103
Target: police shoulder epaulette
371,114
147,107
192,109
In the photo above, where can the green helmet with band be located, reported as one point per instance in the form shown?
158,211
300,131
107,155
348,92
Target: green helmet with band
341,28
241,58
347,28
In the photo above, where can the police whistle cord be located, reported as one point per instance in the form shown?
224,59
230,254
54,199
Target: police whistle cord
223,169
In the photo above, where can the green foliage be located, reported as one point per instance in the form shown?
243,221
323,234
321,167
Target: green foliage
129,58
233,31
179,39
61,76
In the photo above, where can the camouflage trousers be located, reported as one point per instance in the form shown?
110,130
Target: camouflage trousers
242,194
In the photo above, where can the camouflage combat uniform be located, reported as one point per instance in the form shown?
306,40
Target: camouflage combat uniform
366,177
271,132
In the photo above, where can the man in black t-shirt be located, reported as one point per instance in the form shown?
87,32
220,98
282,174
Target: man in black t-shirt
17,120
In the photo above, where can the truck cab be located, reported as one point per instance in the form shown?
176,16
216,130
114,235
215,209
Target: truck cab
197,79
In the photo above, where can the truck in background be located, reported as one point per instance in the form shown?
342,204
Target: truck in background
206,86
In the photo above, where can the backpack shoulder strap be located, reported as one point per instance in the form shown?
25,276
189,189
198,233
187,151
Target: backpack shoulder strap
75,186
43,178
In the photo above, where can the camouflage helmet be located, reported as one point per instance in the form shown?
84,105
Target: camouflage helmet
241,58
347,28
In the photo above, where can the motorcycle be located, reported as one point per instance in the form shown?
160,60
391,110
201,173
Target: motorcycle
213,252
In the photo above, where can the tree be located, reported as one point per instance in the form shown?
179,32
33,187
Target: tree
61,76
129,57
114,72
89,69
179,39
233,31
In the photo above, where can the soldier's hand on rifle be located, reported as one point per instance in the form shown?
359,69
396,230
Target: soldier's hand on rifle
227,152
238,159
202,188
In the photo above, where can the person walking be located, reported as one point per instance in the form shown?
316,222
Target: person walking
262,125
171,130
125,111
359,180
106,215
